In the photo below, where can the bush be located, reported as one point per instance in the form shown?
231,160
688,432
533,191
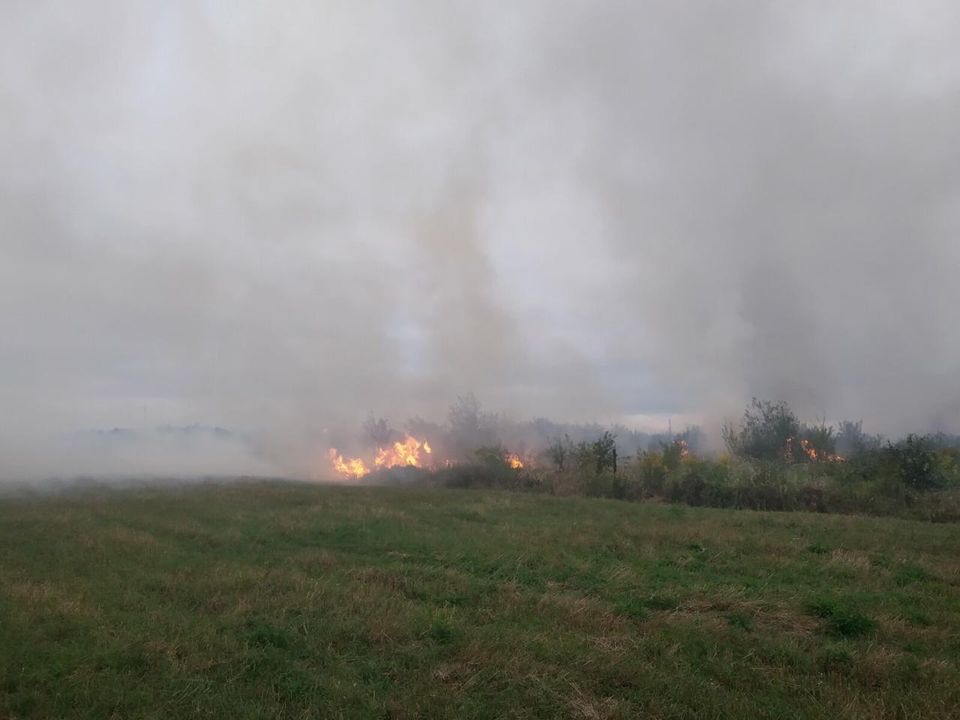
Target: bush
559,451
625,487
673,453
464,476
817,444
765,432
777,464
599,484
605,452
490,469
701,482
651,473
915,463
851,440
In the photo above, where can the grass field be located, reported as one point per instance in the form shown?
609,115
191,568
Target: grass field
276,600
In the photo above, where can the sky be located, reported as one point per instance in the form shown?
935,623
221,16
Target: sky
277,217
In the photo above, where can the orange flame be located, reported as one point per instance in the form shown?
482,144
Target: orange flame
351,467
400,454
514,461
811,452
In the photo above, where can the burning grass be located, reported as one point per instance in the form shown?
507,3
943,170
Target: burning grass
288,600
408,452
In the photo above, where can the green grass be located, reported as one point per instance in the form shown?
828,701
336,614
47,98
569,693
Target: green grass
275,600
842,619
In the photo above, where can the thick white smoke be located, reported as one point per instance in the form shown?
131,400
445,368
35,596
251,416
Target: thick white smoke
278,216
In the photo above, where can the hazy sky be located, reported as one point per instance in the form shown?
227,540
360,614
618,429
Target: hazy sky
278,216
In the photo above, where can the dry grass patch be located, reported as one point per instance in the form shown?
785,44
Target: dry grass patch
855,560
50,597
581,613
587,706
786,619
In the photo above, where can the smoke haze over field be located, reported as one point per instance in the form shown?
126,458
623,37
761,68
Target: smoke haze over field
279,216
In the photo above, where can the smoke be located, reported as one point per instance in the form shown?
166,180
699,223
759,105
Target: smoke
121,454
278,217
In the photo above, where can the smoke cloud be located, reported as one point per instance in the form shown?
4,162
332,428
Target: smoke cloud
276,217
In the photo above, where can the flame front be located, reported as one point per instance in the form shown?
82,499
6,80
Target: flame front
351,467
514,461
400,454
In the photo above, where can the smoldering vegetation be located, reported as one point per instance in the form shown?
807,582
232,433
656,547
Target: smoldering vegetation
770,460
469,427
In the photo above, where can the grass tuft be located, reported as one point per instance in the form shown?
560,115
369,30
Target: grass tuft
741,621
908,574
842,620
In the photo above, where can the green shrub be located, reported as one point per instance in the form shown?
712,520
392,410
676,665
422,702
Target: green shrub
651,473
764,432
473,475
605,452
625,487
559,451
604,484
917,477
673,454
818,444
915,463
700,482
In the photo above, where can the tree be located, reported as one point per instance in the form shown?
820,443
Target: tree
377,430
852,440
694,437
559,450
605,452
766,432
915,462
470,427
673,453
817,443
